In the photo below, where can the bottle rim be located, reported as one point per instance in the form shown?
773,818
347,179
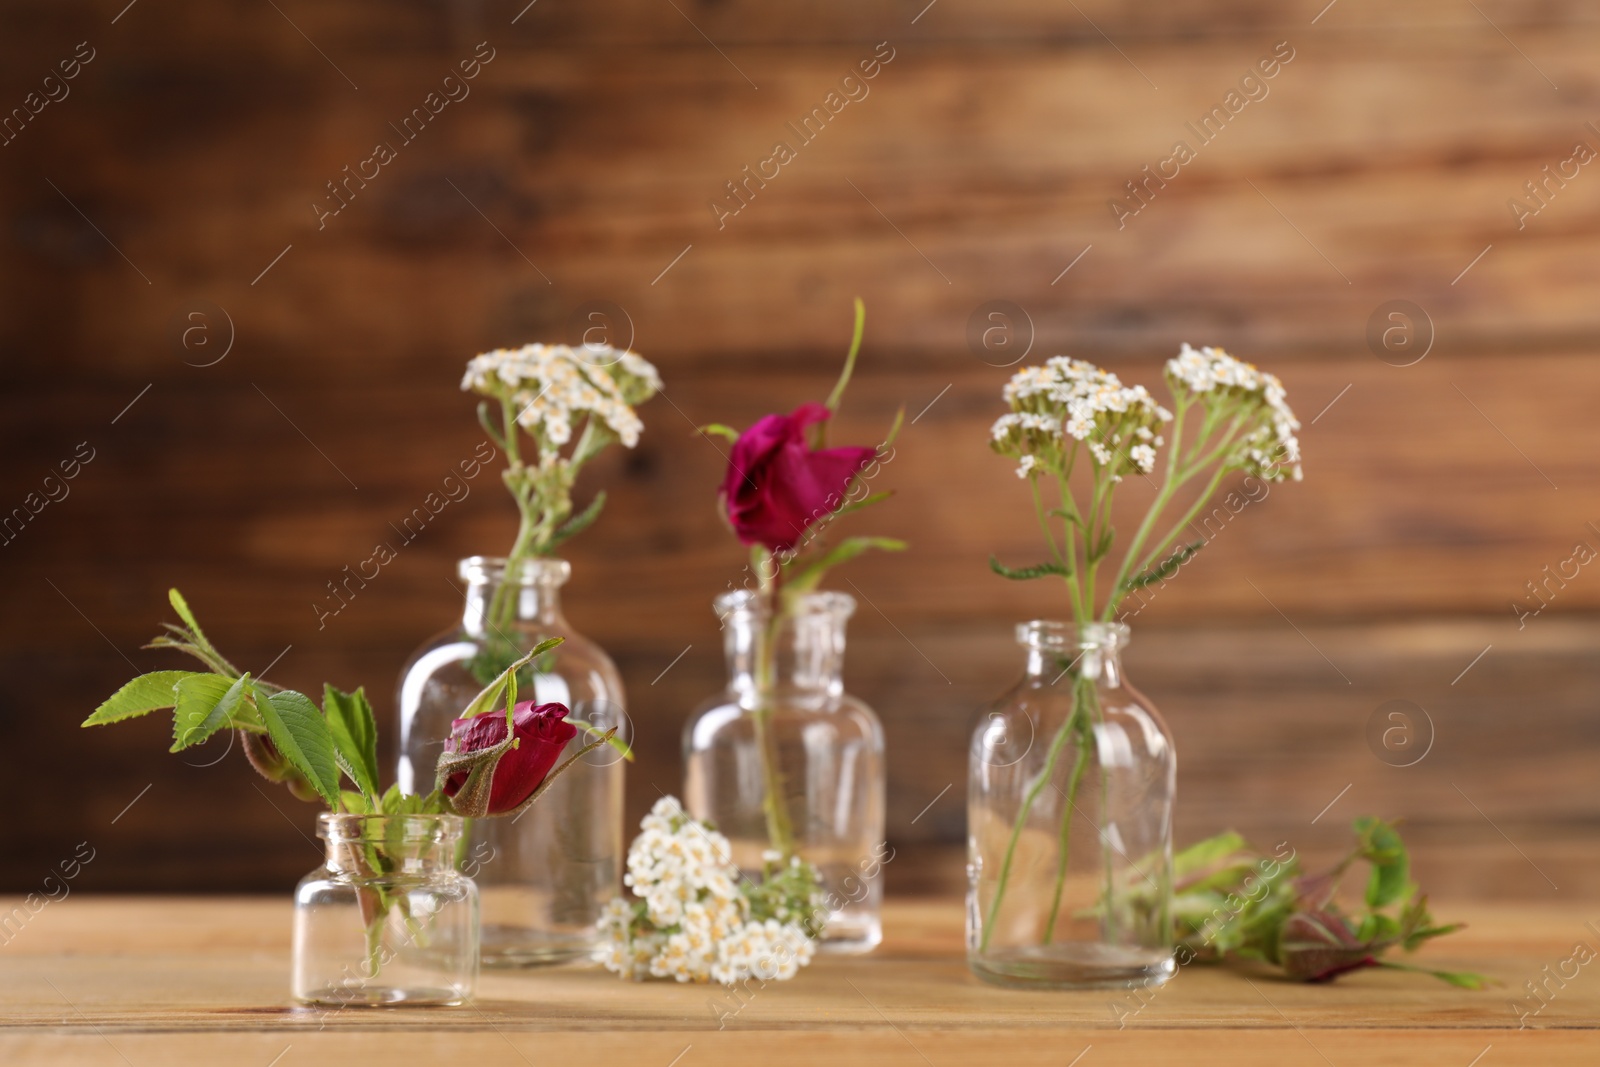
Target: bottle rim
1055,634
347,828
545,571
747,602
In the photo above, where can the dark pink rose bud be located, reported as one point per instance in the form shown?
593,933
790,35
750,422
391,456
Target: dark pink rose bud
541,732
777,486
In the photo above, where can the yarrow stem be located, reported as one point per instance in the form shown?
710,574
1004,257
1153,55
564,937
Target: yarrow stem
774,803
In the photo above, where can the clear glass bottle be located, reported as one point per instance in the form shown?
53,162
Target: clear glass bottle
547,874
826,747
387,919
1069,821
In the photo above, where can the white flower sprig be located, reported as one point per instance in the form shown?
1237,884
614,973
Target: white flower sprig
1068,407
692,920
557,396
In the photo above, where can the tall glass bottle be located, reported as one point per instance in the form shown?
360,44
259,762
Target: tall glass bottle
546,875
1069,821
786,721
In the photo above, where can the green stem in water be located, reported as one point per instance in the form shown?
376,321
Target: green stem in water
780,831
1056,745
1078,720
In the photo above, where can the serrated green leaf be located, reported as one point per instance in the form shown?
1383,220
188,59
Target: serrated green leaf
355,803
146,693
181,606
1023,574
843,552
355,736
206,703
300,732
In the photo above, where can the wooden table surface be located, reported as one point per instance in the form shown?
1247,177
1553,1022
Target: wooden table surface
136,981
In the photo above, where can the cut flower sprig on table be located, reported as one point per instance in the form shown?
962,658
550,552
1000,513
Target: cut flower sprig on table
696,919
1233,903
1077,433
551,409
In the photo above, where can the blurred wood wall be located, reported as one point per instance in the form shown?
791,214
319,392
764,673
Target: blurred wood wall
180,168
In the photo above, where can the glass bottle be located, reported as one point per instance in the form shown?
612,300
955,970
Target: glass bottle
1069,821
387,919
825,746
545,875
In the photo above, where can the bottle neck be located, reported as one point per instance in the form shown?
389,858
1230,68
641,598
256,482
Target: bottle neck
1092,651
797,652
496,598
412,845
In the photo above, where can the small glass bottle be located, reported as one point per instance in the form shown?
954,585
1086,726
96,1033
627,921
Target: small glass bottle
547,874
387,919
787,710
1069,821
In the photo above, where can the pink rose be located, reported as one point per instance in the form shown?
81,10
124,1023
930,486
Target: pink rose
542,733
777,486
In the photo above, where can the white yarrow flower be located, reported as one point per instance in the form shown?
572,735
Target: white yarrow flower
688,920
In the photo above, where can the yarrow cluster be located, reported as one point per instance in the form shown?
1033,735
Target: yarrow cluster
1271,450
1066,401
552,386
693,921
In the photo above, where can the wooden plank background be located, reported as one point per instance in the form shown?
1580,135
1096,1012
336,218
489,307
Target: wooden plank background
183,166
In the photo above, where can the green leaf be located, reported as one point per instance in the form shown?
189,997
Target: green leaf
488,425
1203,854
181,606
301,734
1460,979
490,696
611,739
355,736
146,693
206,703
864,502
1165,569
1391,867
579,522
843,552
355,803
717,429
1023,574
1376,926
894,429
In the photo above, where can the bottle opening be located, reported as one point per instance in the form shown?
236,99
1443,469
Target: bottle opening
485,570
1052,635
